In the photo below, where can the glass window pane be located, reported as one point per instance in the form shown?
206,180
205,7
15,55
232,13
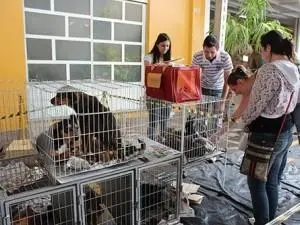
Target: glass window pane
128,73
107,52
102,30
39,49
37,4
133,53
79,72
38,23
44,72
128,32
102,72
73,50
73,6
133,12
108,9
79,27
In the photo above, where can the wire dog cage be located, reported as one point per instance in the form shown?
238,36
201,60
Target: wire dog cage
28,196
71,127
14,140
83,125
159,189
47,206
197,129
141,194
108,200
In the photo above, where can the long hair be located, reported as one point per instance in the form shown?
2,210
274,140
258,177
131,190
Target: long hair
155,51
279,45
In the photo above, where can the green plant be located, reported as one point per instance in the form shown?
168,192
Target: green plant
244,30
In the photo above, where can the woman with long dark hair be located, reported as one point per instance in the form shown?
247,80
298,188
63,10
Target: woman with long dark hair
161,50
159,112
268,118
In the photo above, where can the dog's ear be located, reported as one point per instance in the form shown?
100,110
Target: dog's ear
72,97
59,98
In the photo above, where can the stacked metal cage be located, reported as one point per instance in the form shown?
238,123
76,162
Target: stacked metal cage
27,195
198,129
142,193
139,184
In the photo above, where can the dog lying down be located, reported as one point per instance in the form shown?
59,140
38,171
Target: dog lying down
97,124
62,139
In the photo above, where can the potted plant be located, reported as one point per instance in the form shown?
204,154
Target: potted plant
244,30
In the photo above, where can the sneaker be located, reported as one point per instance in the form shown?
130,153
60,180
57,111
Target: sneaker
252,220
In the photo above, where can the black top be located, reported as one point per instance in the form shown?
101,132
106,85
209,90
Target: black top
267,125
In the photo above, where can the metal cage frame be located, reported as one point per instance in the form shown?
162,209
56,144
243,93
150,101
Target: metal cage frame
198,129
20,198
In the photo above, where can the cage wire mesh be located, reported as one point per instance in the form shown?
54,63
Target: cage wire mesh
49,207
82,125
20,175
78,126
197,129
109,200
159,193
14,140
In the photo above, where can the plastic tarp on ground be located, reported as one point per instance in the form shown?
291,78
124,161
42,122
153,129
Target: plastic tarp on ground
230,204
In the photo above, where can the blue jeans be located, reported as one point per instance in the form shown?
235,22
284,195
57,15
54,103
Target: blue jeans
264,195
296,120
159,115
296,117
212,92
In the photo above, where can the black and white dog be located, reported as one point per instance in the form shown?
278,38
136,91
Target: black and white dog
62,139
97,124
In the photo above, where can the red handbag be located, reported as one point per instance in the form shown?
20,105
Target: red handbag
173,84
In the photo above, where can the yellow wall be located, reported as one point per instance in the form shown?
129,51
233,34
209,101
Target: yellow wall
12,57
12,61
182,20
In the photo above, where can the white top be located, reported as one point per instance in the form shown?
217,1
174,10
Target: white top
148,58
271,91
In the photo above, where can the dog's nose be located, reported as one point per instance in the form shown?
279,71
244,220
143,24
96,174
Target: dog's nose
53,101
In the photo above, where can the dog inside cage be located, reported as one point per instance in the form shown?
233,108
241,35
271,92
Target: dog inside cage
97,124
158,194
27,216
196,128
66,137
54,209
88,135
109,202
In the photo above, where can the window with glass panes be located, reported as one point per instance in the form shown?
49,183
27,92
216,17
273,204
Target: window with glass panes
84,39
